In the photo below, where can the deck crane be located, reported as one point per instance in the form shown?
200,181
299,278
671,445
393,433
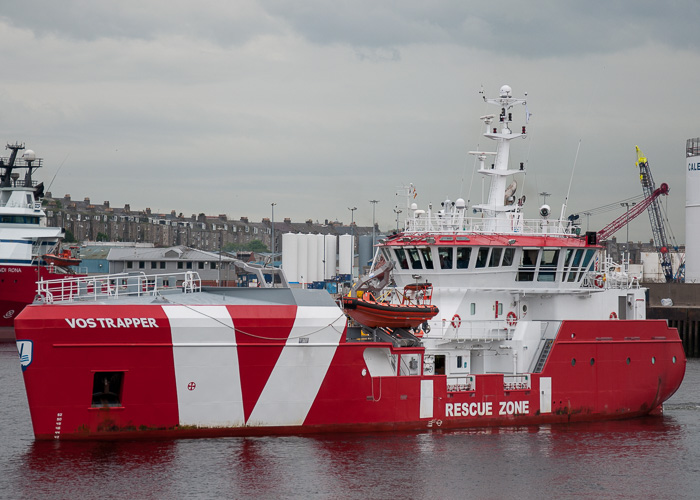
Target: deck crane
658,228
634,211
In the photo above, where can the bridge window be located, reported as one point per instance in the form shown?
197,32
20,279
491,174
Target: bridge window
548,264
495,259
445,255
415,258
567,262
575,264
482,257
463,254
508,255
401,258
427,257
19,219
528,263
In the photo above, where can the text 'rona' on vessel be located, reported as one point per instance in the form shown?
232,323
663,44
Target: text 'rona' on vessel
466,319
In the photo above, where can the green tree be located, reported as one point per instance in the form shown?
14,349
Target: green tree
69,237
102,237
252,246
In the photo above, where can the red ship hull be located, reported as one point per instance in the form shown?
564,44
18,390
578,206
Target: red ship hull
596,370
17,289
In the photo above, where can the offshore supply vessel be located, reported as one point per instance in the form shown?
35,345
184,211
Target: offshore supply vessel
532,325
26,242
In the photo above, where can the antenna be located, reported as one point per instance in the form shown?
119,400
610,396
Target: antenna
57,171
571,180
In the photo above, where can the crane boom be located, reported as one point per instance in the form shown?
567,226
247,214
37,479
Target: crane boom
633,212
658,229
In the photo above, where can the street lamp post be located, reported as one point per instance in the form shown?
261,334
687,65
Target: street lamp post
627,225
352,221
272,241
374,206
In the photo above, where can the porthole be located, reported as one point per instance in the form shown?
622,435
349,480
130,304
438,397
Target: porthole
674,360
653,360
628,361
592,361
573,335
573,361
524,308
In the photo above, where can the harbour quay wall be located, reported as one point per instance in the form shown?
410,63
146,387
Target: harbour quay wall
684,314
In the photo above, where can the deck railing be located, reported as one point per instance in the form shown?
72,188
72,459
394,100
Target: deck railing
509,225
476,330
112,286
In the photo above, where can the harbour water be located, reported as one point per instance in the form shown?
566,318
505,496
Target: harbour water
652,457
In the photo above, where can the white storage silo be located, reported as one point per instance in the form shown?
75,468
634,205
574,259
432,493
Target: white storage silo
365,252
320,257
289,257
692,211
302,255
331,242
345,254
311,257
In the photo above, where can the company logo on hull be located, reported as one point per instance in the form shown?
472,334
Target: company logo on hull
26,353
112,322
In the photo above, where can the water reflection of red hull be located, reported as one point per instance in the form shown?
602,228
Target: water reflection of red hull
373,314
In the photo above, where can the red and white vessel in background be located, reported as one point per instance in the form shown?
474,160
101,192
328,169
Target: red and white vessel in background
531,329
24,237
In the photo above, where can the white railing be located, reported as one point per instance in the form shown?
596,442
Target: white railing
510,225
477,330
112,286
612,279
461,384
517,382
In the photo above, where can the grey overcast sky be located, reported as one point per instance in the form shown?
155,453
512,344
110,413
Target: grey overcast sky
317,106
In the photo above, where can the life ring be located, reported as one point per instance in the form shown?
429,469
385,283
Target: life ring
599,281
511,319
456,321
613,315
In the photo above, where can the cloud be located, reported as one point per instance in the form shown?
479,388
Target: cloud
222,107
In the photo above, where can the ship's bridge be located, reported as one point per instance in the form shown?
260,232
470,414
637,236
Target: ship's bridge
495,261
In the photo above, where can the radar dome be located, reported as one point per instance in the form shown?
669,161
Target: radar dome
505,91
29,155
460,203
